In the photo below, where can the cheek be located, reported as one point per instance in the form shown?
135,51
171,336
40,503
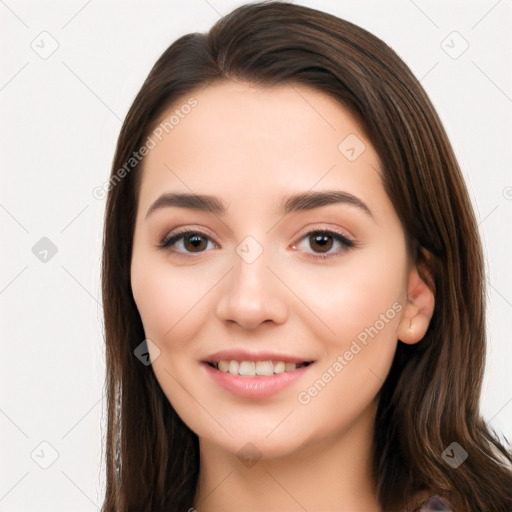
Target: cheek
173,305
362,308
364,291
168,300
357,359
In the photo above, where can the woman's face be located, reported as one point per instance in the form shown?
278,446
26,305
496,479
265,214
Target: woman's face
252,289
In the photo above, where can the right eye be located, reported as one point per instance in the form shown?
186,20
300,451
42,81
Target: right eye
188,242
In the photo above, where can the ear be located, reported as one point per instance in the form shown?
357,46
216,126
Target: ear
418,310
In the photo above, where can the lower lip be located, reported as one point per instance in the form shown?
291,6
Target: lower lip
255,387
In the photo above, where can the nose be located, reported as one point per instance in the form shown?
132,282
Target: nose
251,295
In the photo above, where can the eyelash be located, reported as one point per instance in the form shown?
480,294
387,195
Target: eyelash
347,243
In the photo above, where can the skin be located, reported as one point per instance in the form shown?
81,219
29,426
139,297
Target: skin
252,147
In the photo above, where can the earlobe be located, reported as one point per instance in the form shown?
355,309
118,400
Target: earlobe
418,310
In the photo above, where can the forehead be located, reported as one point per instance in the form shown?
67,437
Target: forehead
251,140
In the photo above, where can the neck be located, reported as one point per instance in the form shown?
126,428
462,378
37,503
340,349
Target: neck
326,474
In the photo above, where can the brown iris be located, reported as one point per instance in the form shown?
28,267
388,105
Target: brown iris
323,241
194,241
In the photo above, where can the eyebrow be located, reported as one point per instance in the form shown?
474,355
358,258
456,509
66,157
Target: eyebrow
298,202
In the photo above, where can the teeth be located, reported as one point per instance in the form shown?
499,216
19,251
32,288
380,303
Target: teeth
279,367
264,368
289,367
234,366
252,368
247,368
223,366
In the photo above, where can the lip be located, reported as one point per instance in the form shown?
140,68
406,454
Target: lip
255,387
244,355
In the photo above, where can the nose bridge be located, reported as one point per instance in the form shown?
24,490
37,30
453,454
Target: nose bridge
251,294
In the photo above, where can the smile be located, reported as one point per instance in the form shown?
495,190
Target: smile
255,379
253,368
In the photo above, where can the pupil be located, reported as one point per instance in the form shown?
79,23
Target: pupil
323,242
194,242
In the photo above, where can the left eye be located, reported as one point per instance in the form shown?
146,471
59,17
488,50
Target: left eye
322,242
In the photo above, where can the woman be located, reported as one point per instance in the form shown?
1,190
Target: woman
293,283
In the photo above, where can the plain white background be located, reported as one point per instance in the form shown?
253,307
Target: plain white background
60,118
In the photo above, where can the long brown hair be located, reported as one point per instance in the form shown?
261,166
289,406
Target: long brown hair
430,398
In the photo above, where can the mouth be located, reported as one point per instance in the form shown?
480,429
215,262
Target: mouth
265,368
255,376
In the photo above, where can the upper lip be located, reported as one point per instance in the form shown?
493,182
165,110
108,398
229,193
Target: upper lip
244,355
